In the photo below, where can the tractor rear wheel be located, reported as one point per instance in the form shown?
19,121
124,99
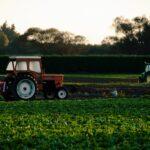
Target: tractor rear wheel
61,93
24,87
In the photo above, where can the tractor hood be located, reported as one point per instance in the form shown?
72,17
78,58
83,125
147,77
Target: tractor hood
57,78
53,77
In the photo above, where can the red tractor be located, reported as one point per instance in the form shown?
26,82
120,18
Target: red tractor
25,79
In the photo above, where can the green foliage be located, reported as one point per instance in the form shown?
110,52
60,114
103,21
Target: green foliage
87,124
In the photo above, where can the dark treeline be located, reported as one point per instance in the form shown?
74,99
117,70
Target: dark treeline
132,37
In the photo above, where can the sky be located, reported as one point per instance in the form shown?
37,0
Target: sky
90,18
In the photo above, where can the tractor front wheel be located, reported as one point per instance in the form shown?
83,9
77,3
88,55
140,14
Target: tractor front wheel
61,93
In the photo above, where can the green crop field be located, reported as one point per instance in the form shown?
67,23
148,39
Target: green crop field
86,75
76,124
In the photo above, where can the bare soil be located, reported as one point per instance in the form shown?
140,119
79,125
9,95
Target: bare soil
103,87
85,91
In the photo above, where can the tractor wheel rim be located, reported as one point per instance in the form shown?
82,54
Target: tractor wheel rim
25,89
62,94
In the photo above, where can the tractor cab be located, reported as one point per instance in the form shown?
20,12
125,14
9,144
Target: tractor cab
24,64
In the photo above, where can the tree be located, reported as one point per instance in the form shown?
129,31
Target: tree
80,40
9,31
123,27
52,40
110,40
3,40
53,36
132,36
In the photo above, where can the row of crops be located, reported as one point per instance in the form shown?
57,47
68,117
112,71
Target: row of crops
88,124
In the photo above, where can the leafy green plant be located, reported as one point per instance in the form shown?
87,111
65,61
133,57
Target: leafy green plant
75,124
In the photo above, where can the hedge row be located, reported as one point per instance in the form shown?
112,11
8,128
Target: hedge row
95,64
89,64
3,64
